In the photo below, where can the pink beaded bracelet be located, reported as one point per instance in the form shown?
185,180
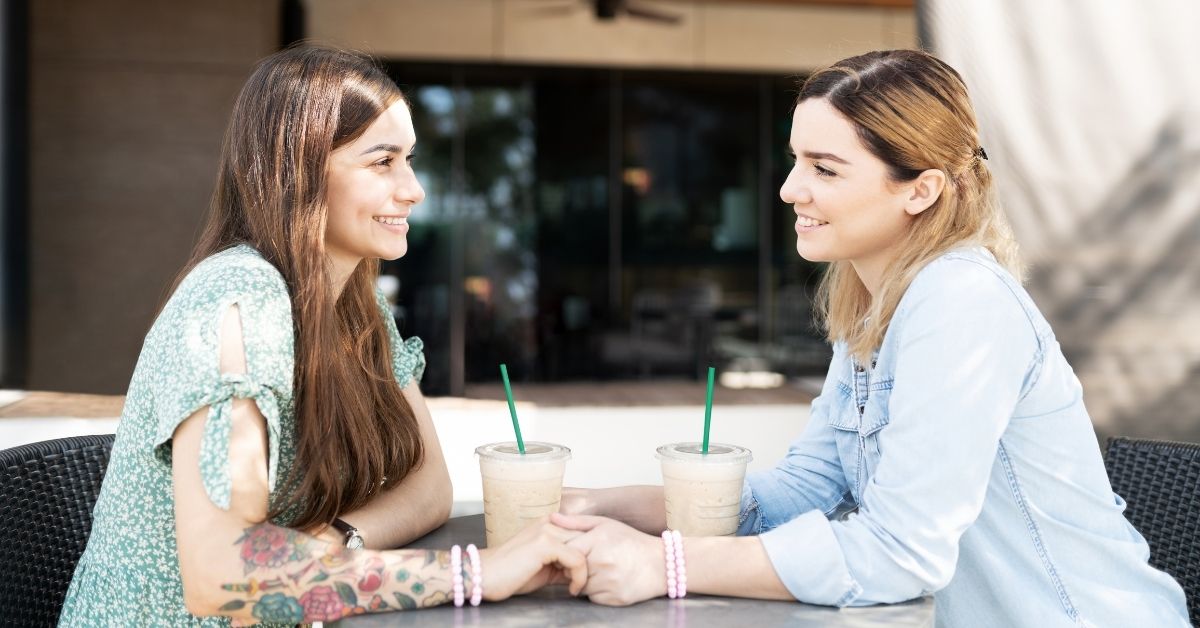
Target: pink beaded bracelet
669,559
476,575
675,565
680,563
457,574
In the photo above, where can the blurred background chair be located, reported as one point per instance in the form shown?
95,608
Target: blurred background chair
47,490
1160,481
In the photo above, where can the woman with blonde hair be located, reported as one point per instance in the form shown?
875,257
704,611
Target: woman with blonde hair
274,441
949,452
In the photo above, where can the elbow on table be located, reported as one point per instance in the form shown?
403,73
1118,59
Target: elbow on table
443,502
922,582
197,599
909,584
934,571
202,584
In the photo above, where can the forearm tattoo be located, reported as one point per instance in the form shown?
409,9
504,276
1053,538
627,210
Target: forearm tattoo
294,578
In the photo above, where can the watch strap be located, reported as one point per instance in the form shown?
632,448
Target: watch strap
347,530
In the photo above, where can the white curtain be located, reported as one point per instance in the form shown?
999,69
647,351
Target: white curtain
1090,115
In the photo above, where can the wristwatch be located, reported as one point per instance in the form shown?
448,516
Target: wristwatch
354,538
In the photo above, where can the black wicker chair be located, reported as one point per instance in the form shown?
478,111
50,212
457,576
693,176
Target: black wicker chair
47,491
1160,480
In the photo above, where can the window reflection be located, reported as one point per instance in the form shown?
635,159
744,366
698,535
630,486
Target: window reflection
500,229
796,344
423,302
573,130
690,223
597,224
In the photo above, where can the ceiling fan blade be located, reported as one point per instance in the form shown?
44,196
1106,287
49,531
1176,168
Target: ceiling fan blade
607,9
648,14
558,11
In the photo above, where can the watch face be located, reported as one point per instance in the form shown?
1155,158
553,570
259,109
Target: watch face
354,541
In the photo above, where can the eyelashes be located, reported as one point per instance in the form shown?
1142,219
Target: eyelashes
388,161
820,170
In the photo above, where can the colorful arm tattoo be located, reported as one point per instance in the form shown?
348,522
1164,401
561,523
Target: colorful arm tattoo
294,578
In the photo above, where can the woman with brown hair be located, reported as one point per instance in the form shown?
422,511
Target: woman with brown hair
274,441
950,452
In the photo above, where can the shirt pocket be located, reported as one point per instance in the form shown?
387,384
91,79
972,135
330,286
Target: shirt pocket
857,424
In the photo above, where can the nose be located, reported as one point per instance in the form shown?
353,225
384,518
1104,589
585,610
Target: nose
408,188
794,190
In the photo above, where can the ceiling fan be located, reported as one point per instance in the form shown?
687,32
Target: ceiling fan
610,9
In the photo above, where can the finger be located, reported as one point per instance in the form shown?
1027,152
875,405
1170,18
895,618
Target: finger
609,598
595,587
559,577
562,534
574,564
583,543
603,598
583,523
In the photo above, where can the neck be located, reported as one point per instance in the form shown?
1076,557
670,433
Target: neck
871,269
870,273
340,270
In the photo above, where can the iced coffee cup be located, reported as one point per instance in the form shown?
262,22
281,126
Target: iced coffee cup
703,491
518,488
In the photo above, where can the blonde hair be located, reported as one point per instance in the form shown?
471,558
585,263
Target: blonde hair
911,110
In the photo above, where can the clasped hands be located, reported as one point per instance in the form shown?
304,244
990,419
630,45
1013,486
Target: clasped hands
609,562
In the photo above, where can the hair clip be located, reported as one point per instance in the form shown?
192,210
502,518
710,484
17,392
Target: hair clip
980,153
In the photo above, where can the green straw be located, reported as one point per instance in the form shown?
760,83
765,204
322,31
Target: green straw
512,409
707,408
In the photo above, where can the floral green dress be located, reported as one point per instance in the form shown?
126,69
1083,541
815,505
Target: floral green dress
129,573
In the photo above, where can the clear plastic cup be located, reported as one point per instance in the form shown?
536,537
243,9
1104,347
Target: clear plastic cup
703,492
518,488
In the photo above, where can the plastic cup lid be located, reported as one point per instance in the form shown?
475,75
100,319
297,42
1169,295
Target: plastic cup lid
718,453
535,451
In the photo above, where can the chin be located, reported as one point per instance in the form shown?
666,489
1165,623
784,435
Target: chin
394,250
393,253
813,254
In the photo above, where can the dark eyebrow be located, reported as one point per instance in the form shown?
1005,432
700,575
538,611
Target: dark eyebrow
391,148
827,156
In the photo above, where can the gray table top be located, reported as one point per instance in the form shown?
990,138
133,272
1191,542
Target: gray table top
553,606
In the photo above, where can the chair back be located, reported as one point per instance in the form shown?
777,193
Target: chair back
47,491
1160,481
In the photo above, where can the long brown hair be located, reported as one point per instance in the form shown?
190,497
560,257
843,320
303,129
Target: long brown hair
355,432
911,110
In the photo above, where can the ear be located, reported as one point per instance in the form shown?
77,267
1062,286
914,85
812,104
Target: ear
926,189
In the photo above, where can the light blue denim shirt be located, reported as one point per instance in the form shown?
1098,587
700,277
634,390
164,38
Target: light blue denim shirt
969,470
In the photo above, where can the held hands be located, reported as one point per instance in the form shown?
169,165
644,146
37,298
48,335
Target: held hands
608,561
539,555
624,566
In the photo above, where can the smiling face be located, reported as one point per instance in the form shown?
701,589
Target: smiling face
847,207
371,191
